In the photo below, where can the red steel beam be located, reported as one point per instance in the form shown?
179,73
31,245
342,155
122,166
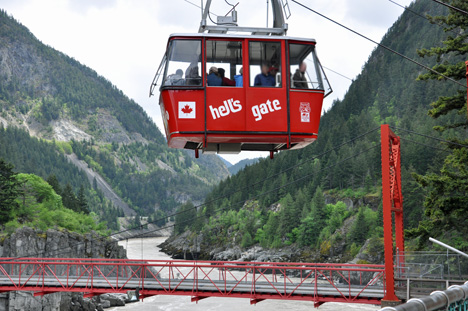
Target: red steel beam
198,298
392,202
258,297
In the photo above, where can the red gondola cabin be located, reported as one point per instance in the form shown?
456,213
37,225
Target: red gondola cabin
270,98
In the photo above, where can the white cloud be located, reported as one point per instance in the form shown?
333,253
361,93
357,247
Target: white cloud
124,40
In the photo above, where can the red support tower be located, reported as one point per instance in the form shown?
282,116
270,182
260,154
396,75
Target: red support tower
392,204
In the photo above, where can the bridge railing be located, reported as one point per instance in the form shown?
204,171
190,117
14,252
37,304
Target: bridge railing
200,279
431,265
417,274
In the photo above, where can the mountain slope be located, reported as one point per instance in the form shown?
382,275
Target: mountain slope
241,165
53,97
286,200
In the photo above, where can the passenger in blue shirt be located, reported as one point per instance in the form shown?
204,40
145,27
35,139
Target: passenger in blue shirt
213,78
264,78
239,78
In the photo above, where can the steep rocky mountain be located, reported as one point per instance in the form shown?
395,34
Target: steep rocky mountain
117,148
283,202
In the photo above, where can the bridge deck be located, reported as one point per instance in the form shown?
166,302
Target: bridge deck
188,285
257,281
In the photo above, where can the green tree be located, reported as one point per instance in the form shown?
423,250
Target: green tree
287,216
270,229
319,209
358,233
338,214
308,232
9,191
53,181
69,199
446,198
246,240
81,202
185,218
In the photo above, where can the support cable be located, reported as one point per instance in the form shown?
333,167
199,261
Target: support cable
335,72
422,16
424,145
432,137
196,5
382,45
451,7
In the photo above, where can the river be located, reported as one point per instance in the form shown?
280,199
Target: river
147,249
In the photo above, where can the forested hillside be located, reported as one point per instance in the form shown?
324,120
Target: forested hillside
82,119
28,200
287,197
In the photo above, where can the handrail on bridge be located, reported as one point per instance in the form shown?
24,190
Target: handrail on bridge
454,298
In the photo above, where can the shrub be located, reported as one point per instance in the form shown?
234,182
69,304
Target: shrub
246,240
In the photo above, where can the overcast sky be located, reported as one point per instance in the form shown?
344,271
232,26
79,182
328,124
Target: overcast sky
124,40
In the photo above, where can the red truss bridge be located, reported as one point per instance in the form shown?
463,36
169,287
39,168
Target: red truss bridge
199,279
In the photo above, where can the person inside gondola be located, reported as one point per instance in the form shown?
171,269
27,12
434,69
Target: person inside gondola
213,78
299,78
265,78
176,78
225,81
192,76
239,78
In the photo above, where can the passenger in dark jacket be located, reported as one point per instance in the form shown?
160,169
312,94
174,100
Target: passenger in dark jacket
264,78
299,78
213,78
226,81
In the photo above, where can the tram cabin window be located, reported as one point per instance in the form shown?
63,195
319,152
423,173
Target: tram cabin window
306,71
224,60
265,64
184,63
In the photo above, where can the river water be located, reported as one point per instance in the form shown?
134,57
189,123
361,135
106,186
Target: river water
147,249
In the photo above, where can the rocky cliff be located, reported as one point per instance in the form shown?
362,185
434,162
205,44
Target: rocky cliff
27,242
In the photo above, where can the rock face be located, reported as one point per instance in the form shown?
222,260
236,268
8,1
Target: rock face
102,184
52,243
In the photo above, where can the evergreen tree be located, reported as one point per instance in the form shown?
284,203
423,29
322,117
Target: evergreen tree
69,199
308,232
360,228
319,209
287,216
270,229
246,240
446,199
137,222
9,191
53,181
185,218
81,201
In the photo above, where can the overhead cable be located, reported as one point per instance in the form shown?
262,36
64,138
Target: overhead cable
451,7
432,137
380,44
422,16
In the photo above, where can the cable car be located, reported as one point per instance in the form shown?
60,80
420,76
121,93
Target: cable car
227,93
